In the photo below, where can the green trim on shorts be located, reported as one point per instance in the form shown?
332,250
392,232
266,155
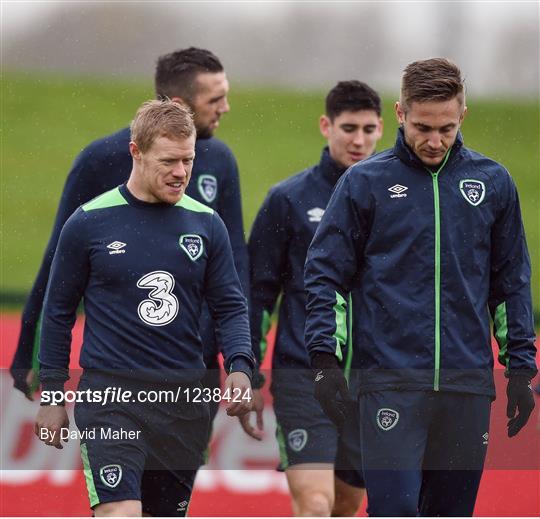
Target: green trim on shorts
34,384
284,459
90,486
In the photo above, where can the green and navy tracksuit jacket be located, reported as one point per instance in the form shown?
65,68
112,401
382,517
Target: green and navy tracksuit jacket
105,164
428,255
144,271
278,244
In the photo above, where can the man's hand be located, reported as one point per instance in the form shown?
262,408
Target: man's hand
258,407
520,399
238,386
25,381
49,422
329,381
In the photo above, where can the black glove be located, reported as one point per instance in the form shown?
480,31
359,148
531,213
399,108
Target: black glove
520,398
19,381
329,380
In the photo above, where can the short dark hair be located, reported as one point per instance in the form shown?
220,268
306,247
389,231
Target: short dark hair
434,79
176,72
351,96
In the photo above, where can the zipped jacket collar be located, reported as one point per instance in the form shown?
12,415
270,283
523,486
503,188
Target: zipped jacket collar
329,168
406,155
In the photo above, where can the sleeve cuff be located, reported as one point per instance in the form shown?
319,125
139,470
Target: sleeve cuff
258,379
324,360
241,363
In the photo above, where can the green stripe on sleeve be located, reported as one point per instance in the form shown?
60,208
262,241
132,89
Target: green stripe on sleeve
500,325
340,335
265,327
90,486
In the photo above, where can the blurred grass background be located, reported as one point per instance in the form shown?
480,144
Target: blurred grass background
47,120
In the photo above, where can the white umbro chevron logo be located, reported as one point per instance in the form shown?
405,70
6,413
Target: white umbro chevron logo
315,214
398,190
117,247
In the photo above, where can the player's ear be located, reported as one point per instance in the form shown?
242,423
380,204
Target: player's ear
324,126
400,113
381,127
463,114
179,100
134,150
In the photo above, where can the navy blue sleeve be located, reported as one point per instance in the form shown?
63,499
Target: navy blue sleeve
333,258
227,302
68,279
267,247
510,301
230,210
78,189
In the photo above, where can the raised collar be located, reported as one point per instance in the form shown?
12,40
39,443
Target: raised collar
406,155
329,168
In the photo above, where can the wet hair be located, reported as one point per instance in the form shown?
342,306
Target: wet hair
156,119
352,96
176,73
435,79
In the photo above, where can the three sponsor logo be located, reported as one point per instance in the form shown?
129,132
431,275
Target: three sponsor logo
161,307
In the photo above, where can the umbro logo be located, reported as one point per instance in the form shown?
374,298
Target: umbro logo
319,376
485,436
315,214
116,247
182,506
398,190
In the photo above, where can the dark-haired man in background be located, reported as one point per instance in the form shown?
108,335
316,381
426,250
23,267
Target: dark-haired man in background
195,77
321,463
428,239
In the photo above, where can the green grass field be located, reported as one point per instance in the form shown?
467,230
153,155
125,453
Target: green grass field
47,120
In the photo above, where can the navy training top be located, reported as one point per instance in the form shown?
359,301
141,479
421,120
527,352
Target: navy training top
101,166
278,244
143,270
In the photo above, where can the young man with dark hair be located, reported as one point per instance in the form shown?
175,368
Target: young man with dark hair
142,320
428,239
317,458
193,76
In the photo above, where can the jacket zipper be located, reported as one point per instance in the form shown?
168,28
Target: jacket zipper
435,179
